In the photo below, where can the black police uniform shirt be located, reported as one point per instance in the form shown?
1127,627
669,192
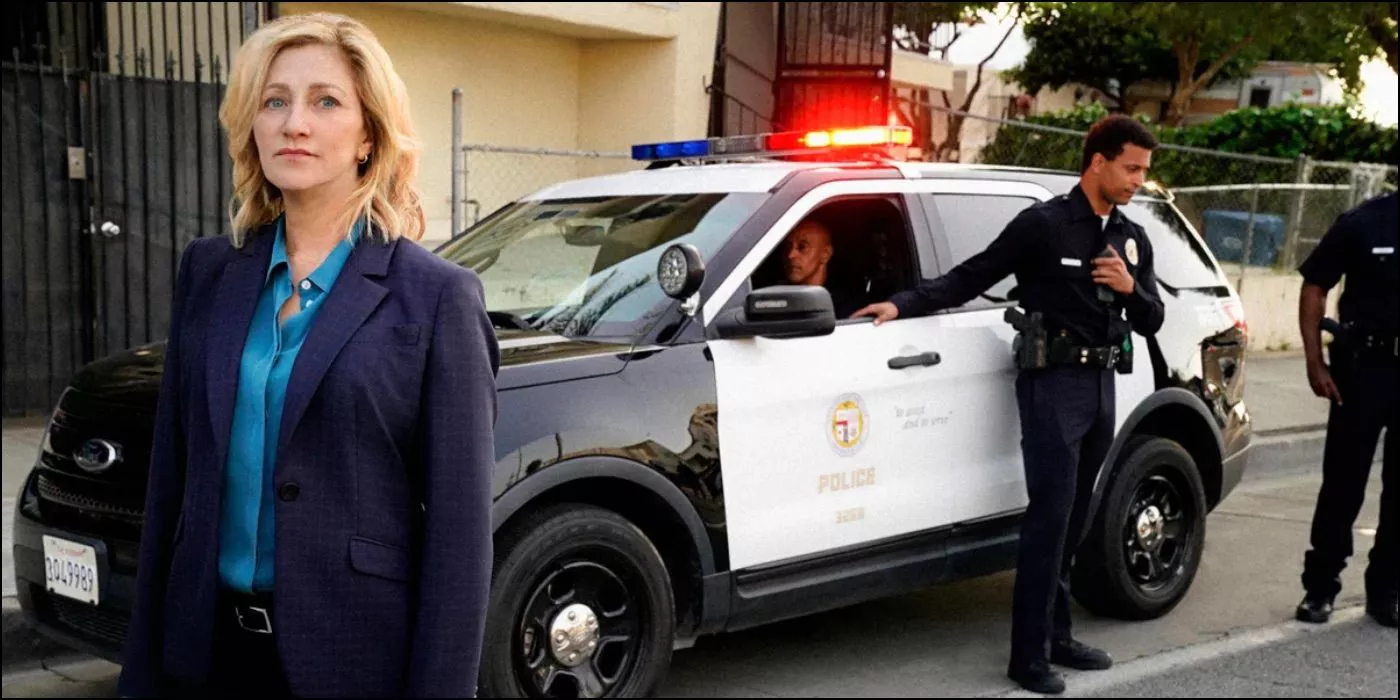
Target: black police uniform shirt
1050,248
1361,245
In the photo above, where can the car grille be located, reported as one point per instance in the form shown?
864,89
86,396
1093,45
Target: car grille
52,492
98,625
110,502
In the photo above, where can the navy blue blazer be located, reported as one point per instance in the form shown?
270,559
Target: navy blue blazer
383,519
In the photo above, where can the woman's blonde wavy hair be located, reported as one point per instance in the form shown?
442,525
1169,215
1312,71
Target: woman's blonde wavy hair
386,194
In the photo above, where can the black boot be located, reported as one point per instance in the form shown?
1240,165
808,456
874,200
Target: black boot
1037,678
1315,609
1080,657
1383,607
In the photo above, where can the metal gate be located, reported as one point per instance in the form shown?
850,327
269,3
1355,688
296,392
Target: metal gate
113,161
833,64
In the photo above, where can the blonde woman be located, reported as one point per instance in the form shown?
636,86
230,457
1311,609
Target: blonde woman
318,512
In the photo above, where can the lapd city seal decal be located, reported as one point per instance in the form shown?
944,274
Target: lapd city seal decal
848,423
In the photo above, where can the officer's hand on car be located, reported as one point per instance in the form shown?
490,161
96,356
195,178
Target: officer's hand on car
883,311
1112,272
1322,384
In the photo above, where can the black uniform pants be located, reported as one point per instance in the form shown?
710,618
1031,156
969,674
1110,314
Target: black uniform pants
1067,421
1370,391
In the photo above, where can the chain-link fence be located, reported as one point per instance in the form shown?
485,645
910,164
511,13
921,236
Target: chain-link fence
494,176
1253,210
487,177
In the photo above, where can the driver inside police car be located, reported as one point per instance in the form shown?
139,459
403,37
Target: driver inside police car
807,253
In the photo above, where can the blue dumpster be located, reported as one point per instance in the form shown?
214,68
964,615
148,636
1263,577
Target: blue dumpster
1225,234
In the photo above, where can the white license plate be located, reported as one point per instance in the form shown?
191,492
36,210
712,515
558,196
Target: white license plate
70,569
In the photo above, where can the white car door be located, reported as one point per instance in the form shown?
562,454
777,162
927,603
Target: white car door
824,444
965,216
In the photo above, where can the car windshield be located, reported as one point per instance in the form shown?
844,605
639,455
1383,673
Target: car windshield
1181,258
587,267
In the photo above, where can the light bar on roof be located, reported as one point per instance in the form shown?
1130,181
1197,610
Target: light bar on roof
782,143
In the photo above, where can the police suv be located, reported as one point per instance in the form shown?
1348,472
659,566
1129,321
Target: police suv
688,445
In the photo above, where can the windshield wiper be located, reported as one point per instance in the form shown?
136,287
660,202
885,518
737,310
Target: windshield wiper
506,319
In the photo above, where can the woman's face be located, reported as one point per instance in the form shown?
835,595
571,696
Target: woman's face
310,129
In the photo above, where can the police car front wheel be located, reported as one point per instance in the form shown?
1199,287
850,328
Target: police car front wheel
581,606
1141,555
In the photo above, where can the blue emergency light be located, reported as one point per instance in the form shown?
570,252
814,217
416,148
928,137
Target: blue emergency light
668,151
775,144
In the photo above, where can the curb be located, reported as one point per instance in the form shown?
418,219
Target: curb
1294,431
23,645
1270,451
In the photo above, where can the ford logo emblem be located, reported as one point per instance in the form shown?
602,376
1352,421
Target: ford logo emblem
97,456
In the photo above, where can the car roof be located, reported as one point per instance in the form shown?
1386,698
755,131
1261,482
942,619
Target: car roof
763,176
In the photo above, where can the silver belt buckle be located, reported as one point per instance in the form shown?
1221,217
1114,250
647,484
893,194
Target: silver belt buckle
257,614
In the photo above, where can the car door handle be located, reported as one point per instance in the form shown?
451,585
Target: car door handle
927,359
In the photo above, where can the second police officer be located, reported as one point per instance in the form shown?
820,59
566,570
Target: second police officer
1363,384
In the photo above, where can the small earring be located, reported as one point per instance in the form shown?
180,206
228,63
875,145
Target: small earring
364,159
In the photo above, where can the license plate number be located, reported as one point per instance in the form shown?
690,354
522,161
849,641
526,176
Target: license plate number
70,569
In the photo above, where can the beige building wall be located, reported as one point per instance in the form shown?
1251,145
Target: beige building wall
643,90
915,70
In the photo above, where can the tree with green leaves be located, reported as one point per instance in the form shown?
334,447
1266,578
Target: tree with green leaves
1205,38
1100,46
1190,46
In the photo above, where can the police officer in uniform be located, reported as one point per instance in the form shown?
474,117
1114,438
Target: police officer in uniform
1081,265
1363,388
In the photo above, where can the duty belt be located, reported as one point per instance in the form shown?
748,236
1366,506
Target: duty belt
1378,343
1065,354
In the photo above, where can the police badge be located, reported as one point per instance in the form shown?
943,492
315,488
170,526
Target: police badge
1131,251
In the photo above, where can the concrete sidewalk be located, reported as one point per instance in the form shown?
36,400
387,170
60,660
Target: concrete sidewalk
1279,398
1284,411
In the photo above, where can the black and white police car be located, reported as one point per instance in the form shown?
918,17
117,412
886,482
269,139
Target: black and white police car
689,446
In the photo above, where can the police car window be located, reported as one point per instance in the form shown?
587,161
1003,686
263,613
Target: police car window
1179,257
871,259
586,267
970,223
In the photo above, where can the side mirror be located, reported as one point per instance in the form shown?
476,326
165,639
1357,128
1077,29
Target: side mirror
786,311
680,272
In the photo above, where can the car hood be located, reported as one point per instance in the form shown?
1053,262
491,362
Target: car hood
131,377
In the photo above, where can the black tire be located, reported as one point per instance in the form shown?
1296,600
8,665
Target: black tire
1125,572
572,554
